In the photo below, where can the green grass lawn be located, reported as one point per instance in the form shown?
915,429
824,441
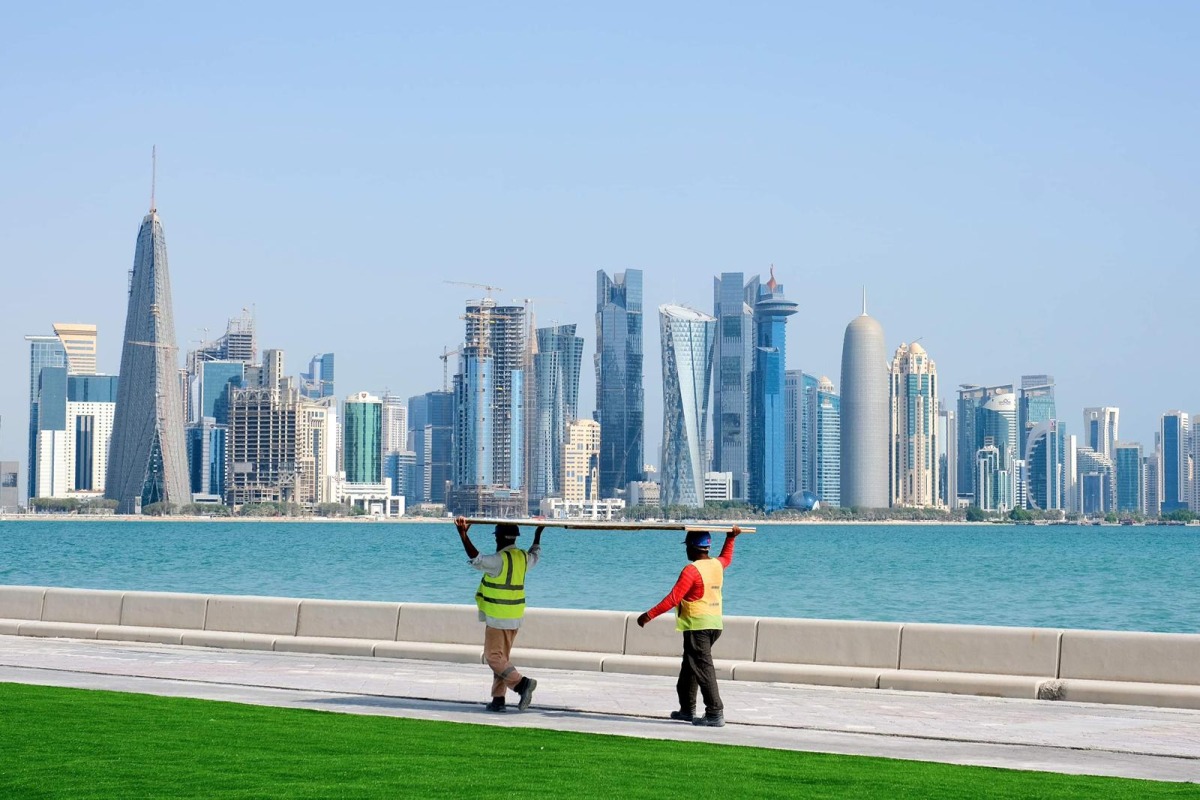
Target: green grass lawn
78,744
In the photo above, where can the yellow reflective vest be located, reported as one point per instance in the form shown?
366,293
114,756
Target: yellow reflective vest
703,614
503,596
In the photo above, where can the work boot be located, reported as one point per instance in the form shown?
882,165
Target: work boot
716,720
683,716
497,704
525,689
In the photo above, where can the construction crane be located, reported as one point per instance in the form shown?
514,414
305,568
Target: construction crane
484,286
445,357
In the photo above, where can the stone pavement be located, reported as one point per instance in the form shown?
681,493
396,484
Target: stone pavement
1129,741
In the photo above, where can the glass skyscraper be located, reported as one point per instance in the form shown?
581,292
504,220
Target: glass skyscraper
620,395
768,489
915,468
1035,406
557,364
362,439
1045,465
44,351
1101,427
318,381
828,455
733,357
687,347
1176,460
800,431
1131,486
147,461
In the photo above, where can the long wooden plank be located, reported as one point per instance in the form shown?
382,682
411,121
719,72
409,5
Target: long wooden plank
613,525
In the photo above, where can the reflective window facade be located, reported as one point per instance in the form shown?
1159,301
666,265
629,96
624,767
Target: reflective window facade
362,439
687,347
620,396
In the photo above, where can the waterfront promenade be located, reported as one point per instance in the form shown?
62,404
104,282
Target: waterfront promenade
1136,742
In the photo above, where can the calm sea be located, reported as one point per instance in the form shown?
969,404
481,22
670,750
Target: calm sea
1057,576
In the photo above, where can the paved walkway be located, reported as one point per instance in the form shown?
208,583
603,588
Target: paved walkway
1130,741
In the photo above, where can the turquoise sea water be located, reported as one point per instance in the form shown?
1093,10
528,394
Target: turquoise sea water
1053,576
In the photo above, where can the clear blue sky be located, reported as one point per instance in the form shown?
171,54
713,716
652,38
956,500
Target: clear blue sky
1016,183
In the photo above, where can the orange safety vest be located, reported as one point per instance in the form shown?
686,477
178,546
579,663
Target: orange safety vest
703,614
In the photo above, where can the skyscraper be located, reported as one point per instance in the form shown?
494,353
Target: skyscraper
362,443
1045,465
581,462
828,444
318,381
1100,429
795,445
557,364
864,414
1097,482
395,424
1131,477
1175,460
970,399
148,458
687,348
620,395
489,453
949,438
73,346
767,489
1152,467
1035,406
734,301
10,497
915,468
79,342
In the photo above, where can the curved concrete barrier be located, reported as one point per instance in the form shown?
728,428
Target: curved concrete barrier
1039,663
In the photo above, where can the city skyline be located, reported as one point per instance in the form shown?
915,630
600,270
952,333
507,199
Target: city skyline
958,161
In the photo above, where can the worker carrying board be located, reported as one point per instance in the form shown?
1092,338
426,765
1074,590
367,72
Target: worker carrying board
696,598
501,601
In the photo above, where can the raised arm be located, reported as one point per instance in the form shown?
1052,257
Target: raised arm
463,526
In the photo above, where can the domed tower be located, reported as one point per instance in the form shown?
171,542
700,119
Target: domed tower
864,414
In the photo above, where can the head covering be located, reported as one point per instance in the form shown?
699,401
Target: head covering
698,539
507,530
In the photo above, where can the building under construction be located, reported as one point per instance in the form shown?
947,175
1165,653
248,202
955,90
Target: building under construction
490,395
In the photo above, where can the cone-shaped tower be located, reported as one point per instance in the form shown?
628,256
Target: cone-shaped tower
147,461
864,414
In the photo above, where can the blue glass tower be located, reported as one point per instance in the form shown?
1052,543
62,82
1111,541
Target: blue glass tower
1173,433
620,395
318,381
734,301
1035,406
768,485
44,351
1130,477
1045,464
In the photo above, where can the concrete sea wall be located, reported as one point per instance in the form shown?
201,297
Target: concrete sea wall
1155,669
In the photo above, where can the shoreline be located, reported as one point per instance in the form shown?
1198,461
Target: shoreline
138,518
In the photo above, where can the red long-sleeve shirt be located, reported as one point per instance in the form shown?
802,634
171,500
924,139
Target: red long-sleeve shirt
690,585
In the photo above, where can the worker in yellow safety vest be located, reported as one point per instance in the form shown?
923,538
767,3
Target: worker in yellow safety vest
696,598
501,601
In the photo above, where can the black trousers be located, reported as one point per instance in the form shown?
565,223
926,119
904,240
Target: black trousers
697,671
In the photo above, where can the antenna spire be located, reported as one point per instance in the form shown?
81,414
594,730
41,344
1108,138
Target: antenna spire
153,175
864,300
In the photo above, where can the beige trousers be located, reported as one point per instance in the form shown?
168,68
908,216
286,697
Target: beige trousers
497,645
